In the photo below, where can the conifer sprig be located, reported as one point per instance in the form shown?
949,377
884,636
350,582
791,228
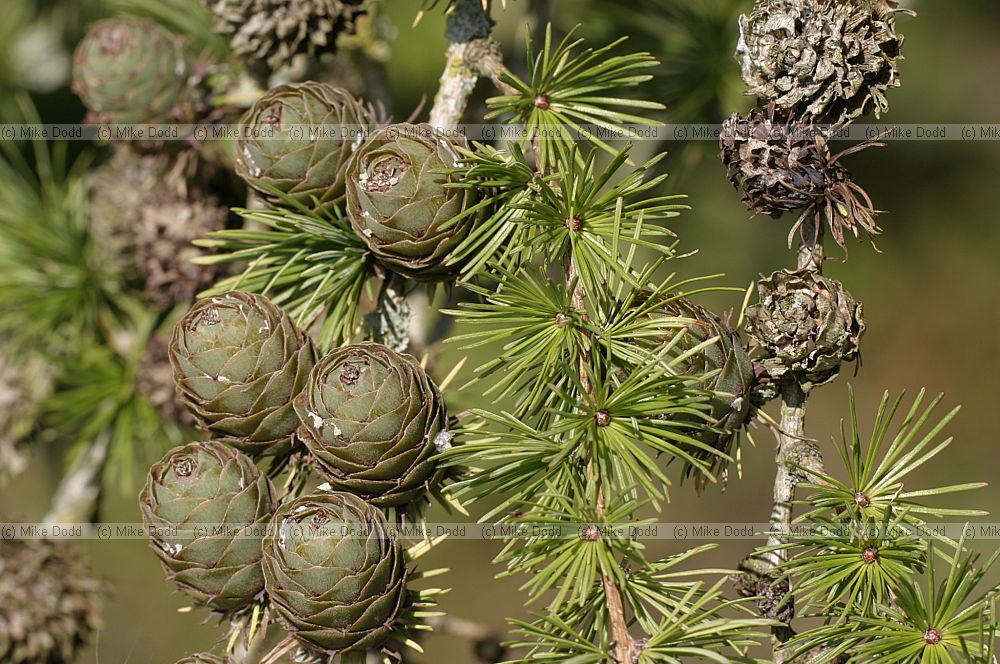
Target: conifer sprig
948,621
586,213
851,575
858,563
55,280
315,267
504,180
65,294
694,627
572,95
504,455
97,395
540,333
602,393
877,474
582,206
623,424
575,546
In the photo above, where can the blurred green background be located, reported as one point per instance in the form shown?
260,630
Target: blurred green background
930,296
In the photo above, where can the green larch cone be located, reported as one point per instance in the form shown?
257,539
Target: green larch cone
734,401
204,658
372,420
50,601
334,572
830,59
806,324
238,362
297,139
131,70
194,488
401,208
788,166
265,31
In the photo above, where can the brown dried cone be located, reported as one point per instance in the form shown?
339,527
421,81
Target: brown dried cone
773,601
238,362
117,190
265,32
830,59
149,211
806,324
50,601
372,420
164,246
333,591
788,166
209,486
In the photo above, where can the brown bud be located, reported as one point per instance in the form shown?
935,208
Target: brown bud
932,636
869,555
861,500
602,418
542,102
575,224
591,533
561,319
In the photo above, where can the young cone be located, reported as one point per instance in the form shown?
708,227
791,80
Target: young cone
399,205
238,362
733,382
279,149
371,418
205,485
131,70
333,591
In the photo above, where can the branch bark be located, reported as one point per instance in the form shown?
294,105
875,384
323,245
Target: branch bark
77,498
810,254
796,455
471,53
389,323
468,23
623,649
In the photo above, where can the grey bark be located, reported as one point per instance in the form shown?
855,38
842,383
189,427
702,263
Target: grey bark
78,495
